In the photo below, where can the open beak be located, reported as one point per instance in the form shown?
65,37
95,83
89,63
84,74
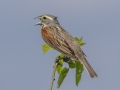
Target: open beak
39,17
39,23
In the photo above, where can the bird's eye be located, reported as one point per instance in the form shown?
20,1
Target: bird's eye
44,17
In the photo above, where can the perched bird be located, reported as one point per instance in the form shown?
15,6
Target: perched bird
59,39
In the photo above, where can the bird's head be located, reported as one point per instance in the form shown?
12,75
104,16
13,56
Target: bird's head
47,20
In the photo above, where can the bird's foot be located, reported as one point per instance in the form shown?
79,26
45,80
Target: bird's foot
65,59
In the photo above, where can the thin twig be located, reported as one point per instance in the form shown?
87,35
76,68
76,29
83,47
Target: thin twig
66,59
53,75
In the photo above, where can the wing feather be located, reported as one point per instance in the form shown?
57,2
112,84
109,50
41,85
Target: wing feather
53,38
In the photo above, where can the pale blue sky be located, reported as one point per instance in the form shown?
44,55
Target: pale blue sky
23,66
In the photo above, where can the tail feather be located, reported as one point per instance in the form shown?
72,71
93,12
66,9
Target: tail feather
88,67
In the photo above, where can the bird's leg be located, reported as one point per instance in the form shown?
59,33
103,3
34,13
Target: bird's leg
57,60
66,59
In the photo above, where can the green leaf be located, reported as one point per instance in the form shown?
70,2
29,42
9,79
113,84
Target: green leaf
60,67
46,48
71,64
77,39
62,76
80,41
61,55
79,70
